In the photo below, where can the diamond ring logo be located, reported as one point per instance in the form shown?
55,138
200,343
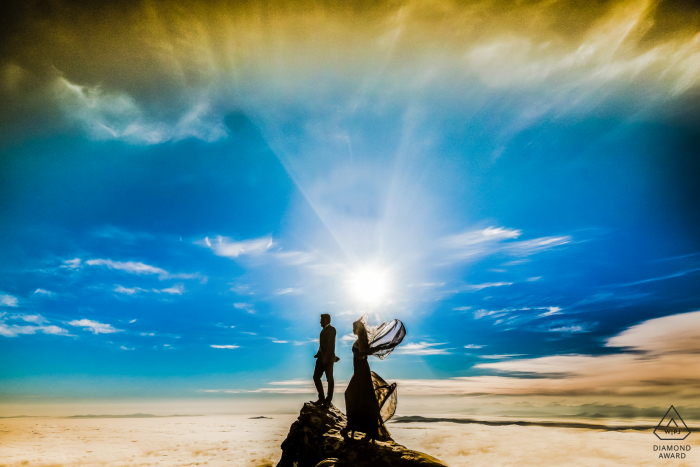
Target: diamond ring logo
672,427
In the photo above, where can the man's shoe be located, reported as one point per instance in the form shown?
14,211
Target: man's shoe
319,402
327,403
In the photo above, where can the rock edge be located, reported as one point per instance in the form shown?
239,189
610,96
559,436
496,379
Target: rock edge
315,438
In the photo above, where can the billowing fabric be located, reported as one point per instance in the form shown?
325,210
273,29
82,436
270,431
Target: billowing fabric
384,338
387,396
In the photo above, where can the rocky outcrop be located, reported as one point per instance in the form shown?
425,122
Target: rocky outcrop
314,439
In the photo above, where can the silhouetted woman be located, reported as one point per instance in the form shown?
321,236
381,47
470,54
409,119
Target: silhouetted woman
360,402
369,400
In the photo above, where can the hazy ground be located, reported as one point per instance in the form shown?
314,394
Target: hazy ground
236,440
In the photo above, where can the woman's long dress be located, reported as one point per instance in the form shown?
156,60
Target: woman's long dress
361,401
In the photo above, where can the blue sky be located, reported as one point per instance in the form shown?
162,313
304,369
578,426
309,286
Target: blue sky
527,209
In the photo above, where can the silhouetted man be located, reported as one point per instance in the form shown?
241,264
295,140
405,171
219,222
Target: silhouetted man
325,358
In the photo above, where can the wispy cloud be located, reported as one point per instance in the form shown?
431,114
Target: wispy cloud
474,244
519,315
348,338
37,319
116,115
289,290
128,291
242,289
74,263
115,233
552,310
40,326
138,268
14,330
8,300
536,245
214,346
609,49
473,346
475,237
662,278
589,62
132,267
291,382
569,329
423,348
177,289
297,258
478,314
501,356
94,326
226,391
308,341
294,386
224,246
428,285
55,330
477,287
245,306
44,292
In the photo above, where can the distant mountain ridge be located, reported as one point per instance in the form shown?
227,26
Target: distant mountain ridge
590,426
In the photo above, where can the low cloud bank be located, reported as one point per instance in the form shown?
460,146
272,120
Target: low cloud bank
657,358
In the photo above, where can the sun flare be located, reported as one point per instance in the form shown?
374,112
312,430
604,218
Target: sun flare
369,285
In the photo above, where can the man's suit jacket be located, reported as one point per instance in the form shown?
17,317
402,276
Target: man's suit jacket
326,345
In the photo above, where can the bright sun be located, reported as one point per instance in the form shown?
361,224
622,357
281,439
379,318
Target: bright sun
369,285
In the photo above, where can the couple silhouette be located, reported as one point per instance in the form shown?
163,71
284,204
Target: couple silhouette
369,400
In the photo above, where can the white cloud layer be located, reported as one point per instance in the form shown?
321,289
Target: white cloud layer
423,348
177,289
475,244
132,267
94,326
245,306
71,264
224,246
129,290
116,115
477,287
43,292
663,362
40,325
8,300
675,334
